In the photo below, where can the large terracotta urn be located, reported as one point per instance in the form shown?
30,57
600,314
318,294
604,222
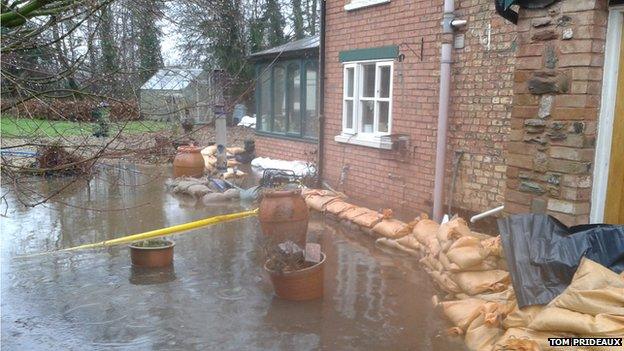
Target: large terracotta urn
188,162
283,216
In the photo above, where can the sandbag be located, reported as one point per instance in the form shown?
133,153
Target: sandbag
391,228
475,282
368,219
563,320
426,231
319,202
410,241
443,281
209,150
462,312
394,244
351,213
233,173
198,190
521,317
481,336
212,198
447,264
337,207
466,252
494,246
432,263
235,150
594,289
453,229
523,339
232,193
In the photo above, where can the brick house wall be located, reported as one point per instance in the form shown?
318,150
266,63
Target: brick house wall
480,106
285,149
558,80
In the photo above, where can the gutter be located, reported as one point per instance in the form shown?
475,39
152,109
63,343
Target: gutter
449,23
321,113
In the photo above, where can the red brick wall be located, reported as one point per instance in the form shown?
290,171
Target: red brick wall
480,107
557,94
284,149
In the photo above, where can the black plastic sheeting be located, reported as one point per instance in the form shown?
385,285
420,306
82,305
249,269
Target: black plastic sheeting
543,254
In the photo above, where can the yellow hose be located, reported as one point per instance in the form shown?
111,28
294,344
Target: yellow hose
173,230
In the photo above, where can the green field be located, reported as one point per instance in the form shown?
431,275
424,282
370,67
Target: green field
11,127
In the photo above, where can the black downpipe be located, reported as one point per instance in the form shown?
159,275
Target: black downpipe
321,117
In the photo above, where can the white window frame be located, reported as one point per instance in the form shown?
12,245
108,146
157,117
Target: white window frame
358,4
356,134
353,99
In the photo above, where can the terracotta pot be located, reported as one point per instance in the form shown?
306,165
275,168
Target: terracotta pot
305,284
283,216
188,162
152,257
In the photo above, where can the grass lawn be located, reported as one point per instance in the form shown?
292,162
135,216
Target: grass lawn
11,127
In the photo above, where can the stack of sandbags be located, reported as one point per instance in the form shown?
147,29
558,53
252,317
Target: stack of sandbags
209,154
591,306
334,206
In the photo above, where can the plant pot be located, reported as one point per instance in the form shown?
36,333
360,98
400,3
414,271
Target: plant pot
301,285
284,215
188,162
152,256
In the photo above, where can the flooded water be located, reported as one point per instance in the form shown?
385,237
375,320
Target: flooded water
216,296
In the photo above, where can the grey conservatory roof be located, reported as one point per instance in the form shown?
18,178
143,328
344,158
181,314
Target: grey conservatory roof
172,78
308,43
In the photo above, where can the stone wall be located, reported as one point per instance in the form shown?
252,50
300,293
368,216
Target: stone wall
558,78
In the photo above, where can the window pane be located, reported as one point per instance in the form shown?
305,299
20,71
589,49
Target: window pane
349,114
384,81
384,113
368,80
294,95
311,116
279,99
349,81
368,116
265,99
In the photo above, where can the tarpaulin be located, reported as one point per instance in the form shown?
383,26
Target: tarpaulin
543,254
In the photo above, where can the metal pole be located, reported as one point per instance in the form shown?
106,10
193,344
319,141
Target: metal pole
221,137
443,106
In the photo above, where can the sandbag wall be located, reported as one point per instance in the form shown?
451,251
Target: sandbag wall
479,300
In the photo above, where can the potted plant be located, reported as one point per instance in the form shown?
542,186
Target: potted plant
152,253
294,277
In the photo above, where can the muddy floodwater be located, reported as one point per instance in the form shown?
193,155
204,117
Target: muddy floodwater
215,297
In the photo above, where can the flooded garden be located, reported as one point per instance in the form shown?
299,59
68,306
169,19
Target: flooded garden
216,295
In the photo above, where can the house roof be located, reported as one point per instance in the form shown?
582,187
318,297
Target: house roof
172,78
309,43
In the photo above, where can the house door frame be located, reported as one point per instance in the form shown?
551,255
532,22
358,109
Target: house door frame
607,109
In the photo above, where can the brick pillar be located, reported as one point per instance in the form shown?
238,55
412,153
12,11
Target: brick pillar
558,78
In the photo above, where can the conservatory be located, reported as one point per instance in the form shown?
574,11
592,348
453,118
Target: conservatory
287,90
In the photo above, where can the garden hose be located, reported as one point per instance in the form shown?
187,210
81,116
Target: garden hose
173,230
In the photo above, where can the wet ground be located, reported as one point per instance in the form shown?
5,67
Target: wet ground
215,297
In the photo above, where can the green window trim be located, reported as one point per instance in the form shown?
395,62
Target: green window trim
378,53
302,65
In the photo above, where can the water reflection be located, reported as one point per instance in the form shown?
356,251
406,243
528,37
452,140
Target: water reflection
216,297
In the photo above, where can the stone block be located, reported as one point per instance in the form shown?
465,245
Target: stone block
543,35
538,205
545,106
568,167
548,82
531,187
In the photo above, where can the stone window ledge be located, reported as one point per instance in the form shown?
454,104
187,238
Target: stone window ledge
374,142
358,4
